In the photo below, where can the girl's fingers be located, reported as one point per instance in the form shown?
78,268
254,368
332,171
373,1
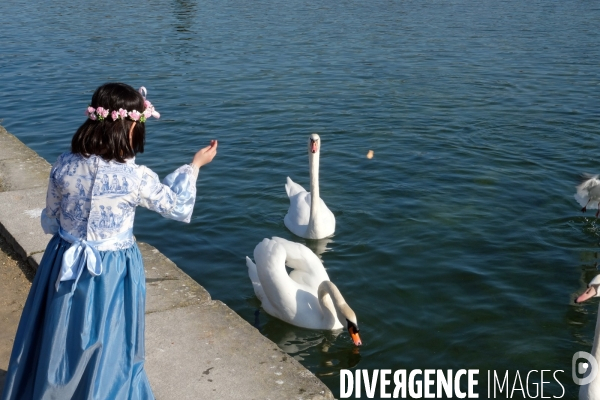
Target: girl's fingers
213,145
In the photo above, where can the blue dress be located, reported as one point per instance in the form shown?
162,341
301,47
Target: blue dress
81,334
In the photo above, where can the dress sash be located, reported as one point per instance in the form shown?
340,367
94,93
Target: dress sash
84,253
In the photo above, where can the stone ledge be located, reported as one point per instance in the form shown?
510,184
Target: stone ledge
20,221
232,359
20,167
167,286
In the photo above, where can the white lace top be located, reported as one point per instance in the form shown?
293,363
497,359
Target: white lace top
94,200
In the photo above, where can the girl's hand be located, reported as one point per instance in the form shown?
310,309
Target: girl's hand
205,155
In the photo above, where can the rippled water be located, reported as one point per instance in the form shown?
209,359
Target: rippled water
459,245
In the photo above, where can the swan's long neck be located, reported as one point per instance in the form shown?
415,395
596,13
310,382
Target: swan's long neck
596,345
592,389
315,199
333,304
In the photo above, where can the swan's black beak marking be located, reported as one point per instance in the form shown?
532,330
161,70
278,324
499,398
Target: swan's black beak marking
353,330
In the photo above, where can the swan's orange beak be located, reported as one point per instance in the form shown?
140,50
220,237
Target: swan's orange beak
354,336
313,146
588,294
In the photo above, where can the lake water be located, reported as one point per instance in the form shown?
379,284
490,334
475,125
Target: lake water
459,244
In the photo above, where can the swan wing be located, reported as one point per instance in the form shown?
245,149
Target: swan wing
308,271
327,221
279,289
298,215
258,289
292,188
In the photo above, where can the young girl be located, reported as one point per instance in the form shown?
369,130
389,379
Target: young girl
81,334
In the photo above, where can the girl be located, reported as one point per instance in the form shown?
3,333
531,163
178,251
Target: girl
81,334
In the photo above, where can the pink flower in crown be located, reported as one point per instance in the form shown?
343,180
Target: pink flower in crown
101,112
92,116
134,115
114,115
90,111
122,113
147,113
147,104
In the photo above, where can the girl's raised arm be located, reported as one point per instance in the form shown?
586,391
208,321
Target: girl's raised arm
174,198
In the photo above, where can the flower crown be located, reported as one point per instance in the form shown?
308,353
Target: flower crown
100,113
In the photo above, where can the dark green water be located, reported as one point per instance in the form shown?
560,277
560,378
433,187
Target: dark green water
459,245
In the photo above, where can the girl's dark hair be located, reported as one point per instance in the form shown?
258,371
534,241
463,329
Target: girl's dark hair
107,138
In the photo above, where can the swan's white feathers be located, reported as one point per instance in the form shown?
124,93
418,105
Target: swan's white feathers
258,289
252,273
298,215
588,192
292,188
308,272
280,289
292,298
591,391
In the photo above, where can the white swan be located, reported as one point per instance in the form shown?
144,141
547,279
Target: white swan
591,391
306,297
308,216
589,192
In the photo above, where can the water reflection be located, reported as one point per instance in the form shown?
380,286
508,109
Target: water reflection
318,246
331,350
185,11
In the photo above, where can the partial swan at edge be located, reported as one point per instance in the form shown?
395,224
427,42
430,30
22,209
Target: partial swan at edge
588,194
591,391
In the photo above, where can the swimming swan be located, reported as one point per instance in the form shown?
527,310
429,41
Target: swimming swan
591,391
589,192
308,216
306,297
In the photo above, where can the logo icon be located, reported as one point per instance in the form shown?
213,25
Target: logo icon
587,369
